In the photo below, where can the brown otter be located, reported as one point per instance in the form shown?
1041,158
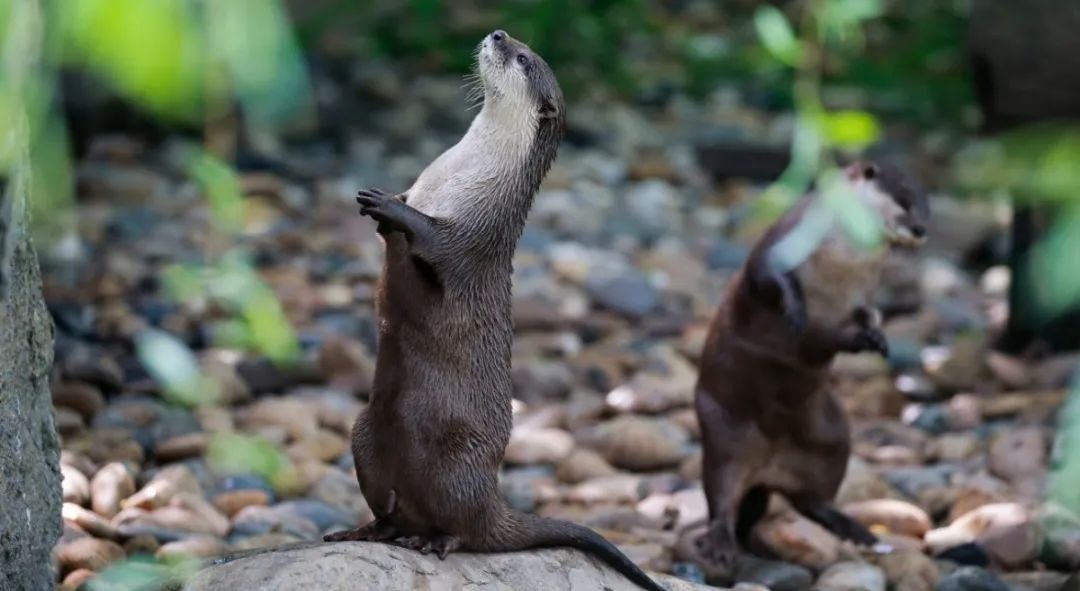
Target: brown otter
769,421
428,447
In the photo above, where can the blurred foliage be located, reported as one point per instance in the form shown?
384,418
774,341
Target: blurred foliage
911,63
141,572
828,28
233,453
1064,486
1036,164
181,60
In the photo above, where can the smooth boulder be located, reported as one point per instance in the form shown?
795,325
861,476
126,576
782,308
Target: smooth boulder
363,565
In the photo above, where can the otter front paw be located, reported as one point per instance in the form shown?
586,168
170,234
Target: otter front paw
870,339
379,206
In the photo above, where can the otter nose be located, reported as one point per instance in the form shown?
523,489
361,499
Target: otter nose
498,35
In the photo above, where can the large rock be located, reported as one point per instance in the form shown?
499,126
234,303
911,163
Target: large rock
360,565
30,494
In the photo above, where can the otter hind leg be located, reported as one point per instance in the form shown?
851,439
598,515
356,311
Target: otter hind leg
382,529
753,507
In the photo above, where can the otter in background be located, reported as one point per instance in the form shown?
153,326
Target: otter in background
428,447
769,421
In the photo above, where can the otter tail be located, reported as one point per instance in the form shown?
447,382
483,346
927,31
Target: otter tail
523,531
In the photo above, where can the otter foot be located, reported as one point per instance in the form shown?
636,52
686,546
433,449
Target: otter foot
718,548
441,545
376,531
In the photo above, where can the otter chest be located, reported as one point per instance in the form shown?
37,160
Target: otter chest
838,278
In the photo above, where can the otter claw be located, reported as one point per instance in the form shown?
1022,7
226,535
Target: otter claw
441,545
871,340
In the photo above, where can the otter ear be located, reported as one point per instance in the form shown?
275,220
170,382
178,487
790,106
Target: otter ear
548,110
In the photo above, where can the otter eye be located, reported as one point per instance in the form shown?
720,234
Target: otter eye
521,59
870,171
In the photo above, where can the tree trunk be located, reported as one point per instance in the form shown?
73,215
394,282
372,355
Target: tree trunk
30,498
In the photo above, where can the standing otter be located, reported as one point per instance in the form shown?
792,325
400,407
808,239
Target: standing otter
769,421
428,447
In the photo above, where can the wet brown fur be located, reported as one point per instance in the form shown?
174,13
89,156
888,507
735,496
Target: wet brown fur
428,447
769,419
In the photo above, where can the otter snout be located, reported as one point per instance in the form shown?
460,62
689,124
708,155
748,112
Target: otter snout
498,35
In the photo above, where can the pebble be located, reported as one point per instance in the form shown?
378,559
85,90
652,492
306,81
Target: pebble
774,575
1007,531
617,488
909,570
956,447
851,576
110,485
231,502
627,292
347,364
75,486
217,367
296,417
232,482
342,492
652,394
182,446
1018,453
580,465
266,540
161,489
1036,581
638,444
321,445
88,521
321,514
538,446
794,538
141,544
971,578
88,553
913,480
193,547
896,516
69,424
82,398
77,578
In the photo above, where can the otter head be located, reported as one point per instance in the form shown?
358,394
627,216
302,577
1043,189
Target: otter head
899,201
517,81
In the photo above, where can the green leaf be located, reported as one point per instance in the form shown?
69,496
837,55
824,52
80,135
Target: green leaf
235,453
856,218
1064,486
851,129
777,35
172,364
1053,276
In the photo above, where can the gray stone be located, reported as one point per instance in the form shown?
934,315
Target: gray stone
851,576
30,494
628,292
971,578
776,575
361,565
